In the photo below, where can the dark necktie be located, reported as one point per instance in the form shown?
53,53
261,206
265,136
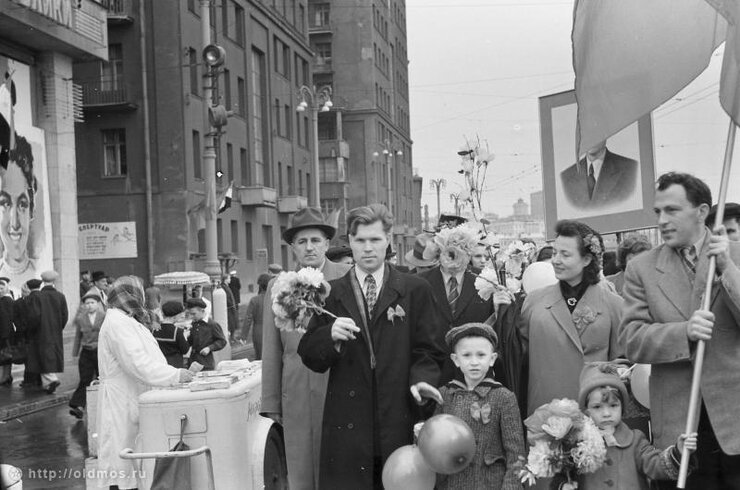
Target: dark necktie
591,180
452,293
689,257
371,293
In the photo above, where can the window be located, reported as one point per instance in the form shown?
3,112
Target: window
301,18
261,174
288,121
244,164
230,161
241,96
239,25
281,191
248,241
114,153
111,71
281,57
309,191
305,132
225,18
227,90
327,126
318,14
301,190
193,7
328,205
267,241
323,53
234,236
219,234
197,162
276,114
194,76
291,181
329,170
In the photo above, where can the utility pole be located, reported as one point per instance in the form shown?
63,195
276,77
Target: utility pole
320,101
455,197
438,184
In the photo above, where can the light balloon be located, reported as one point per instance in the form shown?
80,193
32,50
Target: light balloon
405,469
447,444
640,384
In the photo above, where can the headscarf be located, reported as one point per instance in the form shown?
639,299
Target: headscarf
127,294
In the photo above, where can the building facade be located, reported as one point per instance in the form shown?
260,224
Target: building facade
365,143
39,103
142,140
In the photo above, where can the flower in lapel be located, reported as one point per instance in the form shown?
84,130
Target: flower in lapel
394,313
583,317
481,413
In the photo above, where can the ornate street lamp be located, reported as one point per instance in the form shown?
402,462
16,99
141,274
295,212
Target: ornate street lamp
438,184
318,100
388,153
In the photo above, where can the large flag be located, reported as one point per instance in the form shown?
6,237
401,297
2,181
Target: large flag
631,56
729,91
225,202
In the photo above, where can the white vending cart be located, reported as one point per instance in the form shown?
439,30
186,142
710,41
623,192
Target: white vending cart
246,449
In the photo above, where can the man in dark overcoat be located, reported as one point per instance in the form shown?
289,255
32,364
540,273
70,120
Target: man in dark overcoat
47,316
384,346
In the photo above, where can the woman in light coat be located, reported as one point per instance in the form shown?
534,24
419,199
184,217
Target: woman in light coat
571,322
130,362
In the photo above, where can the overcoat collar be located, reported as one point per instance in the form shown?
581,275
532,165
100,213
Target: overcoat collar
483,388
623,435
554,302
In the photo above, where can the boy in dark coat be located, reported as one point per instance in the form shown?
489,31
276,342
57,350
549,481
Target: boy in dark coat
205,337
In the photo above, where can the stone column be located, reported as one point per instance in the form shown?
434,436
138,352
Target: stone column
55,117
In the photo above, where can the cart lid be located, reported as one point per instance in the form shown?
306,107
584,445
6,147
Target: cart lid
182,393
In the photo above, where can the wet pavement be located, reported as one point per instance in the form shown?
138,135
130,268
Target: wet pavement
49,447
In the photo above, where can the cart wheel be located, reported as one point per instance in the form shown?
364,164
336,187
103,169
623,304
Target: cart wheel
275,466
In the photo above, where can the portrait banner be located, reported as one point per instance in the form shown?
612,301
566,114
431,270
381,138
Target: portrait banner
610,186
25,220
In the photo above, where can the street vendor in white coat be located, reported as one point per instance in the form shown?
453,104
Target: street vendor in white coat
291,393
130,362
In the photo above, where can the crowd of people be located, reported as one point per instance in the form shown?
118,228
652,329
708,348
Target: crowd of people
397,347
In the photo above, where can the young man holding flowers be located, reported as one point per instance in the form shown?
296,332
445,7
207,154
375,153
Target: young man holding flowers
385,341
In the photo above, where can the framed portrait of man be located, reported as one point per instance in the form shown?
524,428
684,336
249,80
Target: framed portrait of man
610,186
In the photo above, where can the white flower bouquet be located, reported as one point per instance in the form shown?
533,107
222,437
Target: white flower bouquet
563,441
453,246
296,296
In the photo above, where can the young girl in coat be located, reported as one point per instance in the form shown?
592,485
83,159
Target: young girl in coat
631,460
487,407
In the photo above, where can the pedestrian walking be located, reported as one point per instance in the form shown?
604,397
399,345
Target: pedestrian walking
47,317
236,288
23,331
253,319
87,324
232,314
7,332
206,336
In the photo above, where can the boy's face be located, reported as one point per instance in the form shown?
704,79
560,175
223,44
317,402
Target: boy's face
197,313
604,408
474,356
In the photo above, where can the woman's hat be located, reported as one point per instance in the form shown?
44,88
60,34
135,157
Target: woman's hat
597,374
472,329
308,218
92,295
98,275
415,257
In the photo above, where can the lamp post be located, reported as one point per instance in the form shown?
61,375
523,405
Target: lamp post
438,184
317,100
455,197
388,153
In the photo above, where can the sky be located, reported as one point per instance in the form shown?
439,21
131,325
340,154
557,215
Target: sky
478,68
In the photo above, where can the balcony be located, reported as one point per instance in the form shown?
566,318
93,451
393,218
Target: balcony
103,95
291,204
119,11
258,196
322,65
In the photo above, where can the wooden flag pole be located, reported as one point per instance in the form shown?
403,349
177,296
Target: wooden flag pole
692,420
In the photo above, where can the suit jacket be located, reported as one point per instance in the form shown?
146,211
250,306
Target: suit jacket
557,349
370,413
292,390
617,180
660,299
469,307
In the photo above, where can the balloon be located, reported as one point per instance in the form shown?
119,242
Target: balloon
11,477
538,275
640,384
405,469
447,444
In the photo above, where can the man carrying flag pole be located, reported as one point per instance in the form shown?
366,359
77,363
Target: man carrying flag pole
630,57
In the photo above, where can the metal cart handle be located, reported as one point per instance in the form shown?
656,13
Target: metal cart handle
129,453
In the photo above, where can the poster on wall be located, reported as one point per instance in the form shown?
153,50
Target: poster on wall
25,222
610,187
107,240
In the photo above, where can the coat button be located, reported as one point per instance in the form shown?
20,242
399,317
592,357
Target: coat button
352,393
350,425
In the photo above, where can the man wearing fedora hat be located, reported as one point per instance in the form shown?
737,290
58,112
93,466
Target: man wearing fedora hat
291,393
730,220
100,285
415,257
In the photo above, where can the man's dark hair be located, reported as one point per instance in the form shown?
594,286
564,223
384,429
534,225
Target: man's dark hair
367,215
697,192
590,243
262,281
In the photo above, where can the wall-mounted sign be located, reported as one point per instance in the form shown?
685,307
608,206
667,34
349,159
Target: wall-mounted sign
59,11
107,240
